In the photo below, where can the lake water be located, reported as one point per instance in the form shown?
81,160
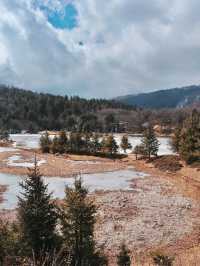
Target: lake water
117,180
31,141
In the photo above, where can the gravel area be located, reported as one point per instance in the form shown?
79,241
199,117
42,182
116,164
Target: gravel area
150,216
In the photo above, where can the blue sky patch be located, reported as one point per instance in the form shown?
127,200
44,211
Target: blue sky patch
65,19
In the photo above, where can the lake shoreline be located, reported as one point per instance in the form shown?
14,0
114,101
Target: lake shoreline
117,209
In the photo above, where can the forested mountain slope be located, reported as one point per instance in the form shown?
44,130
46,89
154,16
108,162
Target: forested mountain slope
27,110
172,98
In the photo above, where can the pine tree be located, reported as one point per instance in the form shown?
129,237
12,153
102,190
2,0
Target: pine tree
150,142
45,143
87,142
139,150
96,145
162,260
111,145
55,147
125,145
37,215
62,141
75,142
4,135
175,142
77,220
190,138
123,259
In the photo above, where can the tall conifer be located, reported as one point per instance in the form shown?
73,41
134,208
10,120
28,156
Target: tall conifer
77,220
37,215
150,143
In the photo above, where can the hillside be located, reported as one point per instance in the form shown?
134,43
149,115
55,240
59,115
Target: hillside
27,110
172,98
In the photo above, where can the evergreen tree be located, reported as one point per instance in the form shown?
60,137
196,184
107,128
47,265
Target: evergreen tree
125,145
37,215
123,259
75,142
4,135
96,145
45,143
139,150
162,260
55,146
175,142
62,141
87,142
77,220
189,145
111,145
150,143
10,246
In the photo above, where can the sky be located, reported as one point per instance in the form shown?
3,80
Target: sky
98,48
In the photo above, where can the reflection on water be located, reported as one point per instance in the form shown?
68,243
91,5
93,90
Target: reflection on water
118,180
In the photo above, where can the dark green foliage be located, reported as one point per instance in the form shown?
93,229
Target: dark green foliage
123,259
186,140
89,123
4,135
139,150
125,145
37,215
111,145
96,144
81,143
77,220
150,143
55,147
162,260
170,98
175,142
26,110
45,143
9,243
111,123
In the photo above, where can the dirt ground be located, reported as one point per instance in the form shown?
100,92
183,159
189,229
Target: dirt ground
160,212
61,165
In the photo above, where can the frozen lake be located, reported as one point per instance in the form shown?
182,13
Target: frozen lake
117,180
31,141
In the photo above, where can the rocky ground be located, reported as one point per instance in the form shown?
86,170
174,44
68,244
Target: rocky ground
160,212
151,216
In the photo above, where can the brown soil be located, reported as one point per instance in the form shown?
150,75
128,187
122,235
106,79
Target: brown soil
61,165
160,213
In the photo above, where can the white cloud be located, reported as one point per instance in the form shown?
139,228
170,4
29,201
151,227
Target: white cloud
128,46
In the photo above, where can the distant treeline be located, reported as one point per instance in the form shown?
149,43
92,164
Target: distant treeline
33,112
26,110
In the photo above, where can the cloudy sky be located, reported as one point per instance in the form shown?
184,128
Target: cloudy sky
99,48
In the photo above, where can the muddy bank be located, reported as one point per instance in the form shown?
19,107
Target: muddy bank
161,212
17,161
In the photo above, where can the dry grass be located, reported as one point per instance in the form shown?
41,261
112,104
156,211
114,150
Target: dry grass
169,163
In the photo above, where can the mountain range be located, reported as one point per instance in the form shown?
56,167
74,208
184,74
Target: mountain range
171,98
